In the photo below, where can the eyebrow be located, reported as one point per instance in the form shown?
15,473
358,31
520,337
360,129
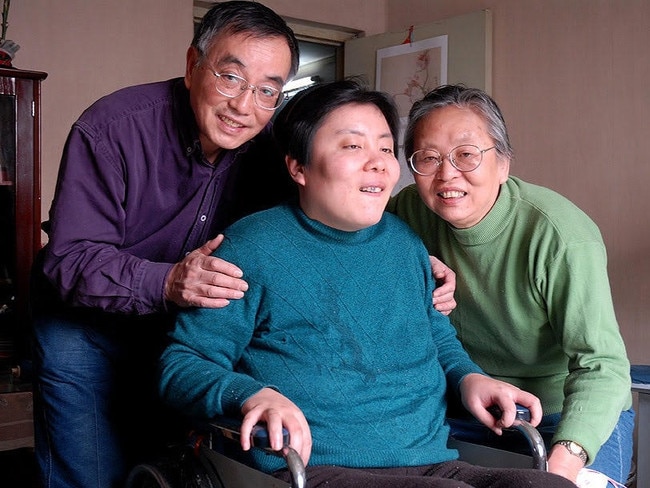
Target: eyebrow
360,133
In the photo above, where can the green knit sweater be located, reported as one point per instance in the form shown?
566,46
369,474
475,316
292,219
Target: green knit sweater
534,303
339,322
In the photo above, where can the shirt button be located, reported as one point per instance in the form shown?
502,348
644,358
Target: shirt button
188,150
203,218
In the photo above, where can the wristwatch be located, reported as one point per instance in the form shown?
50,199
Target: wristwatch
575,449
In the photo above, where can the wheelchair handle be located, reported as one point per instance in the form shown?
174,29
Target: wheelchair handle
532,435
523,413
231,428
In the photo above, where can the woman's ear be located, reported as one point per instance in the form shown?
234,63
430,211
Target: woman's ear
296,170
504,170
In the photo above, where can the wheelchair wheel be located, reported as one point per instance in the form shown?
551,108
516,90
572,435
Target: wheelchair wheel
180,469
147,476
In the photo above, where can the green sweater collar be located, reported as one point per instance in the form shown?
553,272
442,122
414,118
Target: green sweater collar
495,222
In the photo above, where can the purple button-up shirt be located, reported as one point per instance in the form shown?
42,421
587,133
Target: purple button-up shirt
135,194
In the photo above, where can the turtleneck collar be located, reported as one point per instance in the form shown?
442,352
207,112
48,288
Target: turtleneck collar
496,220
325,232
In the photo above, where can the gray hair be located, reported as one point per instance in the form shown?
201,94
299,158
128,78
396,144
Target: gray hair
241,16
462,97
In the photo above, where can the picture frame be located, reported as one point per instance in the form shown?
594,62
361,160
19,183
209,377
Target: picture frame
468,38
410,70
407,72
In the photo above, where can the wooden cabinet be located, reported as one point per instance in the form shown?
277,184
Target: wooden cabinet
20,215
16,420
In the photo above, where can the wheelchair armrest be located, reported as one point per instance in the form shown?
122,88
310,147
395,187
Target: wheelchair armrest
522,424
532,435
522,412
535,442
230,428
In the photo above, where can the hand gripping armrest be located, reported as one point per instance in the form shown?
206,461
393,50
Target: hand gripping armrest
532,435
231,429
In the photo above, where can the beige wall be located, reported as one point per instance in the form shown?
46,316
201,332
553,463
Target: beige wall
570,75
369,16
90,48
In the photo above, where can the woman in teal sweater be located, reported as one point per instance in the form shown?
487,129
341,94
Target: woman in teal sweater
336,338
534,303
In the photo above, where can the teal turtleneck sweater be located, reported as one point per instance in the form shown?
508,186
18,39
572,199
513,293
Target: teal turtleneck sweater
534,303
342,324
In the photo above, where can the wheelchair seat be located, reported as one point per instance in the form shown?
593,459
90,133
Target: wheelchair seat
202,463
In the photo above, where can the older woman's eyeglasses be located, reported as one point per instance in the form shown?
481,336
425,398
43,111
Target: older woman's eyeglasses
231,86
464,158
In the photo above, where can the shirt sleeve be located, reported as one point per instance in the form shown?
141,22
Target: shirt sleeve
86,231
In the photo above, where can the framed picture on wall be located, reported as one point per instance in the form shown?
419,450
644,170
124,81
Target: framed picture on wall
412,69
408,72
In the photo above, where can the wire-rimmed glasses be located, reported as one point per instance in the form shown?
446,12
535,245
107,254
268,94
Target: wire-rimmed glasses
231,85
465,158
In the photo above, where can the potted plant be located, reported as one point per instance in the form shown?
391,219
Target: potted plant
8,47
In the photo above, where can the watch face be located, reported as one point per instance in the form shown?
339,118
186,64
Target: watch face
575,449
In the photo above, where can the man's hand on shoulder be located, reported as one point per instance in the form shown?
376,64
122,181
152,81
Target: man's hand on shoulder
202,280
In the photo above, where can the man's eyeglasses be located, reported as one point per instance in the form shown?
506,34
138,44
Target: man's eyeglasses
464,158
231,86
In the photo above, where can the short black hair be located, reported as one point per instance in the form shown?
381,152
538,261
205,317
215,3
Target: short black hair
299,120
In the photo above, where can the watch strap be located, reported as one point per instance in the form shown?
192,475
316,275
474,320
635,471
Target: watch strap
575,449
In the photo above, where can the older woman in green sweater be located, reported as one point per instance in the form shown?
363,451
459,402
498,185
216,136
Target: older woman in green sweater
336,338
534,303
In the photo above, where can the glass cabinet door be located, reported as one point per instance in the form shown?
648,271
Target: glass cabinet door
7,235
19,213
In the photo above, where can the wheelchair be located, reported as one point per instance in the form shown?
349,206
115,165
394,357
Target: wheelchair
206,460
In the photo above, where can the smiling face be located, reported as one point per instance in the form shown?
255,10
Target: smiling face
352,170
460,198
227,123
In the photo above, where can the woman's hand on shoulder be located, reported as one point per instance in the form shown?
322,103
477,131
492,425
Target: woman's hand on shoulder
443,296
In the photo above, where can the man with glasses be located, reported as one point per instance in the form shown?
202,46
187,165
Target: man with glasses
534,303
149,176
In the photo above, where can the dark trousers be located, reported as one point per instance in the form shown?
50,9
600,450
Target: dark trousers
451,474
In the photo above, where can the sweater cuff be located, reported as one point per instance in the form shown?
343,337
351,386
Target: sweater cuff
456,376
239,391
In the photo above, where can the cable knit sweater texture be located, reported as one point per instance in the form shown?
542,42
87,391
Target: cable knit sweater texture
339,322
